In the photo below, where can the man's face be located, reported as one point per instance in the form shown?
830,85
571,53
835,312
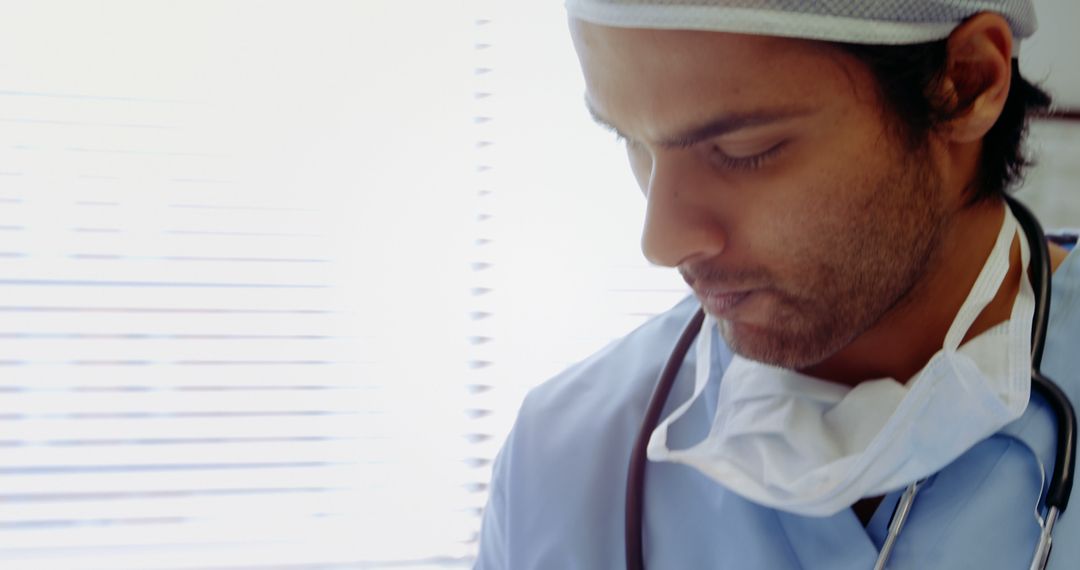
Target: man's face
774,182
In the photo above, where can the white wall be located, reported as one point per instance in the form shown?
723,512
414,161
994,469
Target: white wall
1051,54
1052,187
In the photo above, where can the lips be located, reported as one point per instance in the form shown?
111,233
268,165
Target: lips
721,293
722,305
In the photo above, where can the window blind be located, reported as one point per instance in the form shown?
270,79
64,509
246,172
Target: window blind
225,289
274,276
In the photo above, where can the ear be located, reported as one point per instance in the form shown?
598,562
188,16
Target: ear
978,74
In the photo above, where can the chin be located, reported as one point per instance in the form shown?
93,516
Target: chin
778,346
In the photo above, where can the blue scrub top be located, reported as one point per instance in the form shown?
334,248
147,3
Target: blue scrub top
557,493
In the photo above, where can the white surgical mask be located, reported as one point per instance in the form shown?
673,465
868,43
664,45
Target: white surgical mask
807,446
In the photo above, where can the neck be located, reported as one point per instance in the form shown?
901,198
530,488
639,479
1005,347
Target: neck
908,335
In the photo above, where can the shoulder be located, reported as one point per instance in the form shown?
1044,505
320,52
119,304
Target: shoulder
613,384
1060,363
1066,284
1061,358
556,495
590,413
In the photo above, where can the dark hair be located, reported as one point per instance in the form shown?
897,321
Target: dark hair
909,78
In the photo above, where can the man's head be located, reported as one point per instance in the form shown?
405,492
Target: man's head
796,185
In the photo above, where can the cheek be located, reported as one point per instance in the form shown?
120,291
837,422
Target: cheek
837,220
797,223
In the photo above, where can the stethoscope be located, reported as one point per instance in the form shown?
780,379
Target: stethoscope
1061,481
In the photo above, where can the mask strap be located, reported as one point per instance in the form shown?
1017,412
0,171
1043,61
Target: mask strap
986,285
658,449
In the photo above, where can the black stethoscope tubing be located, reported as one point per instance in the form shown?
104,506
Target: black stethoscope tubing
1061,480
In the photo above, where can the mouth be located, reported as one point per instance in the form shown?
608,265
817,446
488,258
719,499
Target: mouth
722,304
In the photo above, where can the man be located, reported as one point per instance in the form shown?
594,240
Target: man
829,179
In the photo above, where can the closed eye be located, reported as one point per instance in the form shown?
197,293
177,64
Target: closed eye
746,163
619,136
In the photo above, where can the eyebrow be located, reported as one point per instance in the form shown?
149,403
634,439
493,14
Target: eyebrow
714,127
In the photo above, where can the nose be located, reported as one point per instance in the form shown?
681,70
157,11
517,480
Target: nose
680,219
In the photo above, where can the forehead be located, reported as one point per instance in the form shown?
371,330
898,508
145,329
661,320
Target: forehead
649,80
